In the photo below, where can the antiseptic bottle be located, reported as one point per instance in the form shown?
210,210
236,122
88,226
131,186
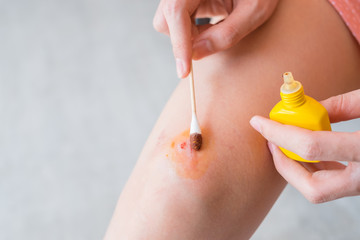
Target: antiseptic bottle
295,108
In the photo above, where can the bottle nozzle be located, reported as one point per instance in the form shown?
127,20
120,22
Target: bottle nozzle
290,85
288,78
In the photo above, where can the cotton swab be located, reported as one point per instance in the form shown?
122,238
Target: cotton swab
195,131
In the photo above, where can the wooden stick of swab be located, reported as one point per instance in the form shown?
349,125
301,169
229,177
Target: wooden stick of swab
195,132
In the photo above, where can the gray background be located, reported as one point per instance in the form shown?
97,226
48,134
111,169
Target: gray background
81,85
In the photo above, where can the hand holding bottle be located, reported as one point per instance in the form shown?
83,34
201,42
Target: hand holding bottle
328,179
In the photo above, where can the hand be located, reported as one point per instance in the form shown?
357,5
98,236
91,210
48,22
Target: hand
176,18
328,179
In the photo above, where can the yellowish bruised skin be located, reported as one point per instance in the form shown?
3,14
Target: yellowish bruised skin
187,162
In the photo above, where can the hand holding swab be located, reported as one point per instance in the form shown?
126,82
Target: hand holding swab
195,131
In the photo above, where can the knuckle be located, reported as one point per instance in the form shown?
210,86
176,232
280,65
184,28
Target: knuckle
310,148
230,36
172,7
340,104
253,5
157,24
258,7
315,196
261,11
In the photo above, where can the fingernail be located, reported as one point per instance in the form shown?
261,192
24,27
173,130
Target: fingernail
255,124
201,49
180,68
271,147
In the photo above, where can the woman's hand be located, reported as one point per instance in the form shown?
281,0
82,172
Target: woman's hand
328,179
176,18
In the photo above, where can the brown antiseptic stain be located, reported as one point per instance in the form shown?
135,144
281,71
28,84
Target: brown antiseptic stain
189,163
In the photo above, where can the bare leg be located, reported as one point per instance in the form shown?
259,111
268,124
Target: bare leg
225,190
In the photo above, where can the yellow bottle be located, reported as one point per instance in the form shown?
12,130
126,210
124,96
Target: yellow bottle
299,110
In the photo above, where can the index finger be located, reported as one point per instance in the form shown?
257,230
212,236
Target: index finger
178,17
310,145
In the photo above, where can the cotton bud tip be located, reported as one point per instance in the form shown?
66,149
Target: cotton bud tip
195,141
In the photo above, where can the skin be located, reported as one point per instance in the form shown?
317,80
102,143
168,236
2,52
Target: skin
239,184
329,179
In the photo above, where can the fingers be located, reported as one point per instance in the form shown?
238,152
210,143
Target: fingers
180,34
174,17
310,145
245,17
319,186
343,107
179,23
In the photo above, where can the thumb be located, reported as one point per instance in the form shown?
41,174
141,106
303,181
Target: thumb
343,107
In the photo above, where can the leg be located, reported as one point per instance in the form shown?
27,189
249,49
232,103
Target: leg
225,190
